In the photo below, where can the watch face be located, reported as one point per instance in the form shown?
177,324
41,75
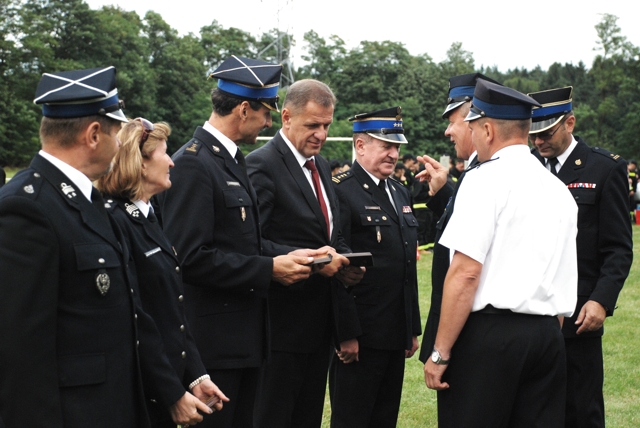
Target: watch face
434,356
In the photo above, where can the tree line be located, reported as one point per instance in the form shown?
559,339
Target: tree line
163,76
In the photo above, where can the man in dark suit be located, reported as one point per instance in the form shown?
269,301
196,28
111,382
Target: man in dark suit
376,217
68,357
210,215
299,208
597,179
442,201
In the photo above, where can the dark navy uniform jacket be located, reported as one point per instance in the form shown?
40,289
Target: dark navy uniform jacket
210,215
387,296
162,297
597,179
68,356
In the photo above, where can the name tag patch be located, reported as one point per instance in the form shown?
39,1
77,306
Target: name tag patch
152,252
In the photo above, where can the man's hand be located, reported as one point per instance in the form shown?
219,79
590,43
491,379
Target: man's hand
408,353
350,275
290,269
307,252
434,173
207,389
591,317
433,376
185,410
337,263
348,352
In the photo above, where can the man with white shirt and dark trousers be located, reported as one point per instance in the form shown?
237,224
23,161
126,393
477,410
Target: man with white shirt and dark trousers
498,358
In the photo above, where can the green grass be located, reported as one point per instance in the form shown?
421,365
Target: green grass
621,345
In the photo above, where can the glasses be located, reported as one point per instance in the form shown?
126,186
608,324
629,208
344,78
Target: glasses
546,136
148,129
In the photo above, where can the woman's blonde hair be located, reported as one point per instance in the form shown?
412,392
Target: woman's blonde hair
125,178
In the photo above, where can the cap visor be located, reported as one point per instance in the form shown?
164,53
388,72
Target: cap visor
451,107
271,106
118,115
390,138
473,115
543,125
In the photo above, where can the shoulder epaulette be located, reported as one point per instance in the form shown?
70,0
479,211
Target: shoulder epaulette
339,178
606,153
192,147
31,185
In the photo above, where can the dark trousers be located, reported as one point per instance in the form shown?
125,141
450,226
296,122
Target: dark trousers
367,393
585,378
240,386
506,371
291,390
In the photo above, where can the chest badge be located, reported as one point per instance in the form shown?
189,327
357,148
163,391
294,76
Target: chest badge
103,283
407,209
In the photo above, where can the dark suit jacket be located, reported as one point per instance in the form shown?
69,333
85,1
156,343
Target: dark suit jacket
68,355
604,243
210,214
162,297
291,215
387,296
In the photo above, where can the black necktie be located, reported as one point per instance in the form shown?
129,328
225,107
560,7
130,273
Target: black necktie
98,202
152,216
240,158
552,162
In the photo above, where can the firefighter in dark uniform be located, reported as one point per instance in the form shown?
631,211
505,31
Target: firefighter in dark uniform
210,214
68,356
376,216
597,179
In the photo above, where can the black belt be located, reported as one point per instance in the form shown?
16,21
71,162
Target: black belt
490,310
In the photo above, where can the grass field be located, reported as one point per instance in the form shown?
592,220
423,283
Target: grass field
621,357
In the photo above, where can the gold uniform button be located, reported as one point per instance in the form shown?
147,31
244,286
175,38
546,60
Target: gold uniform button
178,269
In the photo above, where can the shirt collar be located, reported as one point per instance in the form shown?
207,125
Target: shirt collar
143,206
77,177
231,147
564,156
301,159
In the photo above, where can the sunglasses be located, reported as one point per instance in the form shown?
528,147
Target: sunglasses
546,136
148,129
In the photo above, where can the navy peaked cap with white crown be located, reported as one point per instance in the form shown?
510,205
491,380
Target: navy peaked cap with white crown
499,102
461,90
250,79
80,93
385,125
556,103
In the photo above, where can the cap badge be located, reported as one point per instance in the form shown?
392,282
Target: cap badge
103,282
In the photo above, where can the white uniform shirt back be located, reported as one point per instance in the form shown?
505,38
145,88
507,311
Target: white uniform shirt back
520,222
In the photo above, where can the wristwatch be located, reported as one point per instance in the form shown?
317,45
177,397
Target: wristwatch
437,358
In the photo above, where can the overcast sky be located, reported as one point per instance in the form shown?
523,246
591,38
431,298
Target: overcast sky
502,33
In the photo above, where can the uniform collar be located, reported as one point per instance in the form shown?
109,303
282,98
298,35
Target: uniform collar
77,177
231,147
564,156
143,206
